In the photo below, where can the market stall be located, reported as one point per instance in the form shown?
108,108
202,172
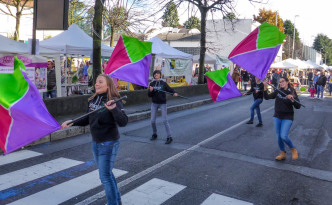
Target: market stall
73,42
35,64
172,62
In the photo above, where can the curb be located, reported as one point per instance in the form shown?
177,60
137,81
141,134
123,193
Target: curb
74,131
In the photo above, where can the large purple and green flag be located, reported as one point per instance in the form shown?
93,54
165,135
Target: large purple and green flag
221,86
130,61
23,115
258,50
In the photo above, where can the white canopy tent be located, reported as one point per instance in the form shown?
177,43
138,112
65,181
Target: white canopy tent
209,58
11,47
163,50
314,65
284,65
160,48
74,41
300,64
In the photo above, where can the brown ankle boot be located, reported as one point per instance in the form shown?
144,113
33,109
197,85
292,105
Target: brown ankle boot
295,155
281,156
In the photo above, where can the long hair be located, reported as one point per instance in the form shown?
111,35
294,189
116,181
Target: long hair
112,93
289,86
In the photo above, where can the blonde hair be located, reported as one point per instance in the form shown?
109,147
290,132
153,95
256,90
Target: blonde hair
112,92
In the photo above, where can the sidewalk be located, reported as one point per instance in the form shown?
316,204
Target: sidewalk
134,112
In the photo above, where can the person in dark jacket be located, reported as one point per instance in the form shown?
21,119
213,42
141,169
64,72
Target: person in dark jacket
321,83
105,134
159,101
283,115
51,81
256,90
310,79
245,77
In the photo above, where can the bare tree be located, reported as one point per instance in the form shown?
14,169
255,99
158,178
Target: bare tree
125,16
20,6
214,7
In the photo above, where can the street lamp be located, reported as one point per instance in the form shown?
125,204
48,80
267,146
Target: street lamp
294,36
325,56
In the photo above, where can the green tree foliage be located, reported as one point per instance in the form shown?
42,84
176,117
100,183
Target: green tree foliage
289,30
192,22
323,44
269,16
171,17
230,16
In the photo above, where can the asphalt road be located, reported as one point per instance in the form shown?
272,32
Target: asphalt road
215,158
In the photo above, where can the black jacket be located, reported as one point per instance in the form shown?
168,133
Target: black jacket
283,108
322,80
256,87
157,96
310,76
103,123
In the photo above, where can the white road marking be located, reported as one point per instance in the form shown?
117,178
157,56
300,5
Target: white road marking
18,156
67,190
34,172
153,192
216,199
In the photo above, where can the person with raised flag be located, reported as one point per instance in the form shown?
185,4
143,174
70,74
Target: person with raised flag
22,110
286,99
221,86
256,90
105,133
258,50
130,61
155,91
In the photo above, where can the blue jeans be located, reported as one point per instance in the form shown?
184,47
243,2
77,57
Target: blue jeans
320,89
255,106
330,88
309,84
154,110
49,94
282,128
104,154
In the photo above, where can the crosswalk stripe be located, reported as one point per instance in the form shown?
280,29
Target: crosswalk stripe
67,190
153,192
34,172
216,199
18,156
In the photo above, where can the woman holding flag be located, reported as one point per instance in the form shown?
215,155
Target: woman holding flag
104,131
286,99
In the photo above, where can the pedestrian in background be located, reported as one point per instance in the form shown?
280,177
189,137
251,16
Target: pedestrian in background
329,80
159,101
105,133
316,76
256,90
283,115
321,83
51,81
236,75
312,91
245,78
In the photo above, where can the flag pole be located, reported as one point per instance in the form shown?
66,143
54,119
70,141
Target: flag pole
285,94
89,113
172,94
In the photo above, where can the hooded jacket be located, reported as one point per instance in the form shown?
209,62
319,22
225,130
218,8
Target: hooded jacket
256,87
283,108
157,96
103,123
